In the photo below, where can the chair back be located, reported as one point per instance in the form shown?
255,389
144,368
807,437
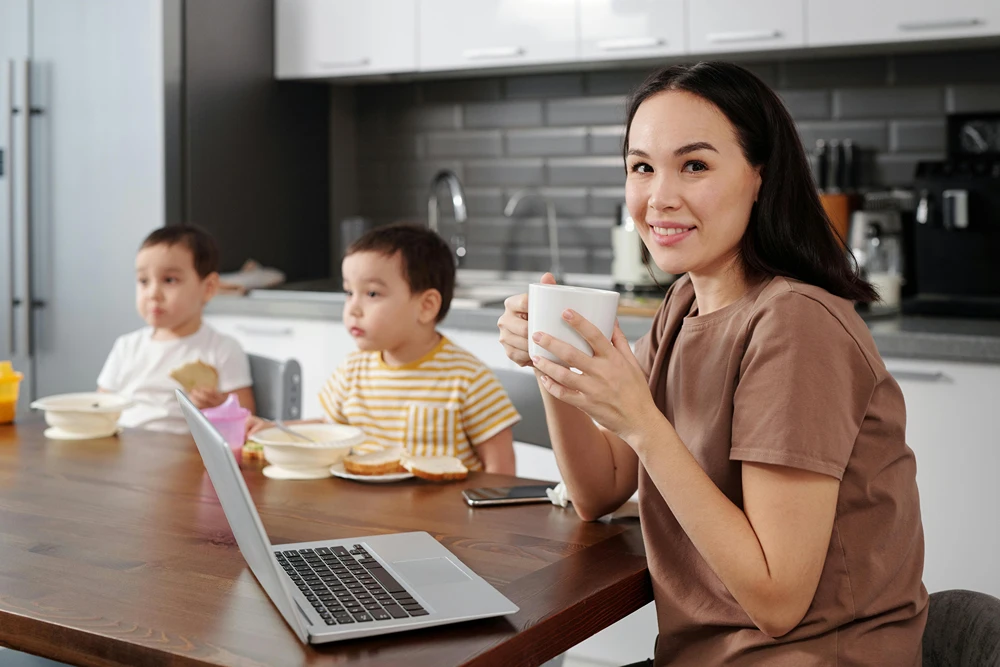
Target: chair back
527,399
277,387
963,630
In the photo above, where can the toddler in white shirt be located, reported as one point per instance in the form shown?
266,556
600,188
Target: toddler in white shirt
176,275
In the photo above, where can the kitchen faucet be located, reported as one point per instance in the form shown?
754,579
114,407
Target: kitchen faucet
458,201
551,223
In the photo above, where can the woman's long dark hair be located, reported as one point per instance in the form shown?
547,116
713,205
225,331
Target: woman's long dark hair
789,233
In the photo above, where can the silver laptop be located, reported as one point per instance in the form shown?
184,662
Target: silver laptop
341,589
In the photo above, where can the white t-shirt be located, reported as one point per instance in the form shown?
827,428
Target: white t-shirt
139,368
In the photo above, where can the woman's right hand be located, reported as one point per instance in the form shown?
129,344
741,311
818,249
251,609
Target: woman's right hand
513,325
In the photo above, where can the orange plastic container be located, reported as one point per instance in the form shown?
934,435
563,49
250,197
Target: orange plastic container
10,385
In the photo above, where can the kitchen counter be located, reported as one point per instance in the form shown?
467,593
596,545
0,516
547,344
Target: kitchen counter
897,336
328,306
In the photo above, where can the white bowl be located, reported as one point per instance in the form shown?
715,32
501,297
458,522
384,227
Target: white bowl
333,443
91,414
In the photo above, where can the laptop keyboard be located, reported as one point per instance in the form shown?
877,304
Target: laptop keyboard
347,586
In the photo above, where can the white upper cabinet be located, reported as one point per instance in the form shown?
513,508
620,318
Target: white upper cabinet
867,22
717,26
331,38
616,29
464,34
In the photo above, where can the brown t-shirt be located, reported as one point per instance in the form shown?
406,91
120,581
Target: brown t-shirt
787,375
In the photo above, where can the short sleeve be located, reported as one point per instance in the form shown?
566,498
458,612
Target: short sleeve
803,389
487,409
332,395
111,373
233,366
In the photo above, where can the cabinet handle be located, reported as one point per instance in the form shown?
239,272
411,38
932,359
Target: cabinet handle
259,331
343,64
918,376
749,36
943,24
493,53
11,200
630,43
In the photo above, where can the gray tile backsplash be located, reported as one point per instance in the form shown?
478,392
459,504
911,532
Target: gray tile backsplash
504,114
506,171
888,102
562,133
917,135
971,99
585,111
872,134
545,141
465,143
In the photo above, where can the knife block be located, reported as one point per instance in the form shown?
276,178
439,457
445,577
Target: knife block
838,208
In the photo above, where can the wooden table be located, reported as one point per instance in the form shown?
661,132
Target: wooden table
116,552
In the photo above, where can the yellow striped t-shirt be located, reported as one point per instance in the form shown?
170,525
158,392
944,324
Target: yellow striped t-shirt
444,403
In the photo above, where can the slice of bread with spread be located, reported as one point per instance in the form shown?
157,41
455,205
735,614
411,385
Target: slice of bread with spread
196,375
436,468
383,462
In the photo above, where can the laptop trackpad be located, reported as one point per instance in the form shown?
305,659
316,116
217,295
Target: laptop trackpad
430,572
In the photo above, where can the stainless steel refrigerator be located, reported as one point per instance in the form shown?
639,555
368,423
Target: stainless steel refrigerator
120,116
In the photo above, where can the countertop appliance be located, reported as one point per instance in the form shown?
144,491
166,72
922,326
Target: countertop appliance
121,116
881,240
632,269
957,230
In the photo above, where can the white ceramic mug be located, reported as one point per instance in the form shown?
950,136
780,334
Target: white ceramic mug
546,304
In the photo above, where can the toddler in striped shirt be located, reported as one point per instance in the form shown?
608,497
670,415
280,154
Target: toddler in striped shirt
407,384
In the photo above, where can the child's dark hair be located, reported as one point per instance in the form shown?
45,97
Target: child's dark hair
195,239
428,262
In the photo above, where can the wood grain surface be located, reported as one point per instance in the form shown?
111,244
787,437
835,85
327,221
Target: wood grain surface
116,552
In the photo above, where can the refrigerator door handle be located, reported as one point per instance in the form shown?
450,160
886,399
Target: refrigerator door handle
24,335
8,120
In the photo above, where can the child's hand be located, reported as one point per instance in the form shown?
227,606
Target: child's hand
207,398
255,424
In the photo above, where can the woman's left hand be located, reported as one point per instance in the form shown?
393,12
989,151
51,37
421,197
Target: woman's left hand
611,386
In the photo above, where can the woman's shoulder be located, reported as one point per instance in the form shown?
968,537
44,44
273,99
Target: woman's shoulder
806,314
789,298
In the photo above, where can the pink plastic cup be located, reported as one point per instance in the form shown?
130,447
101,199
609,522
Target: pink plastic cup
231,421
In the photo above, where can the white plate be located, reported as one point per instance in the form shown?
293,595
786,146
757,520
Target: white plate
54,433
338,471
274,472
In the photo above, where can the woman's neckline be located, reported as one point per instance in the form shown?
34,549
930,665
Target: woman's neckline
692,319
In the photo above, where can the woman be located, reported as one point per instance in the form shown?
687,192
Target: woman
777,495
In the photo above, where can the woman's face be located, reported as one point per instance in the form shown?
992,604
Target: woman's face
688,187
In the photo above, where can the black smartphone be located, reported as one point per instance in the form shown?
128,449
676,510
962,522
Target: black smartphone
507,495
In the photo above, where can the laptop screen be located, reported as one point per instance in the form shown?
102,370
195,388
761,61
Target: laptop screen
239,509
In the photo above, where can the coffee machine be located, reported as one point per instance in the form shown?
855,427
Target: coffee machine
881,240
957,228
632,269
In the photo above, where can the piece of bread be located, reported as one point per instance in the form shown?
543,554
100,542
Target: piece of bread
367,448
196,375
436,468
374,463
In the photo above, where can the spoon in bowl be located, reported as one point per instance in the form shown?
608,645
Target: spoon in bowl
281,427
